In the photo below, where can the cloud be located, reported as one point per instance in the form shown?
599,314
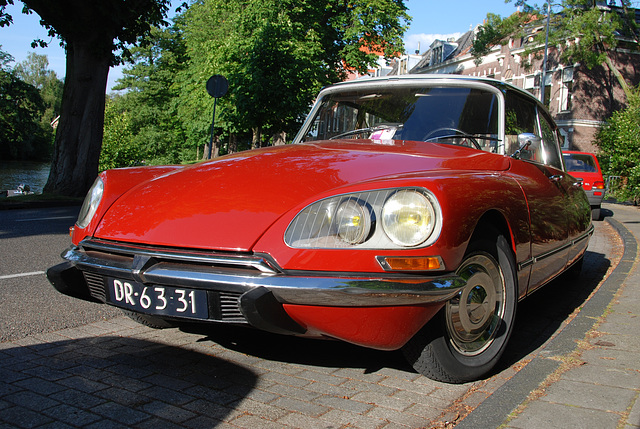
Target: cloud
422,41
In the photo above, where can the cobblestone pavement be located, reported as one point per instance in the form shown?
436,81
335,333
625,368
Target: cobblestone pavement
117,373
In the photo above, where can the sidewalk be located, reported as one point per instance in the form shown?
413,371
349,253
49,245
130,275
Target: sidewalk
588,376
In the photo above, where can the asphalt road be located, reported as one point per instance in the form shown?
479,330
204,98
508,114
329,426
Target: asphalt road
31,241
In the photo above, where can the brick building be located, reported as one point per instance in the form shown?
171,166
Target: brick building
580,99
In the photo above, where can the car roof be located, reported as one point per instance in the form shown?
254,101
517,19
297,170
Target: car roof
432,79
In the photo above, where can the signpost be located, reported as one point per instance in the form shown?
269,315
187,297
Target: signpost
217,86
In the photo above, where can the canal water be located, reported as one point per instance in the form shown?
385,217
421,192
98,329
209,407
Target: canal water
14,173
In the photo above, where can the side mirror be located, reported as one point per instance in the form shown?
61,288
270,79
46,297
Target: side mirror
525,140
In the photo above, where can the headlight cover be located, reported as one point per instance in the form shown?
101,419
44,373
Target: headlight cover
408,218
381,219
91,203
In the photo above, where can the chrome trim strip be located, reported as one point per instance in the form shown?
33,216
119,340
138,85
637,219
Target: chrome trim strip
250,261
535,259
332,290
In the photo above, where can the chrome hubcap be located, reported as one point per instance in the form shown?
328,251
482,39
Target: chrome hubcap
474,315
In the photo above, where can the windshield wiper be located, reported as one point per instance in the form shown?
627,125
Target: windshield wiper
372,129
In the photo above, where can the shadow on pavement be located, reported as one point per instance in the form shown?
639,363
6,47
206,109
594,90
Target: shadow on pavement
117,380
313,352
543,312
539,316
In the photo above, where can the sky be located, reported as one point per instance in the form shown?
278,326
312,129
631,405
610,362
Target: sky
431,20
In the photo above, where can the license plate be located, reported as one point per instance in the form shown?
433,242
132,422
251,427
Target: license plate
160,300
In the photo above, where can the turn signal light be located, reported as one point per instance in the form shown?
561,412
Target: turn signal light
71,229
598,185
420,263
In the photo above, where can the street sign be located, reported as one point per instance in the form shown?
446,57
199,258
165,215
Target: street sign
217,86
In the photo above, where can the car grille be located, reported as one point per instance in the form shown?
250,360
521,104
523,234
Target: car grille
108,259
96,286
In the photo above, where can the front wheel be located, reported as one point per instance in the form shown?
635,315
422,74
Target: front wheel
468,336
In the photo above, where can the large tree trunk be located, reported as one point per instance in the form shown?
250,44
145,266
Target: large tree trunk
79,134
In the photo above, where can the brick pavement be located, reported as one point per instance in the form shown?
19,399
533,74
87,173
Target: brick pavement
588,375
117,373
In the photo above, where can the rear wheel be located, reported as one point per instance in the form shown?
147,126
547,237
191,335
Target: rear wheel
595,213
467,338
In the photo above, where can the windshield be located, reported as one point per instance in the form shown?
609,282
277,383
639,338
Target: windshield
578,162
454,115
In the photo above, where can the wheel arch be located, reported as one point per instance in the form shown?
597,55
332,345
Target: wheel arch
491,222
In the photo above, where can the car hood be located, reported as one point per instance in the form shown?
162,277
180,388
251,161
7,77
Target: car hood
228,203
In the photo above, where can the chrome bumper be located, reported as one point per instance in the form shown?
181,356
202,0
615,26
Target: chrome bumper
241,273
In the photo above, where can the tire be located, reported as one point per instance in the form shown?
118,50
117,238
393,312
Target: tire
146,320
595,213
464,342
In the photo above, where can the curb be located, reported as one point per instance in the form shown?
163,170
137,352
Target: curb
494,410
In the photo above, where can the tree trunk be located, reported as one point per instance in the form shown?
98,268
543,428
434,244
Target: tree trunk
279,139
257,137
619,77
80,130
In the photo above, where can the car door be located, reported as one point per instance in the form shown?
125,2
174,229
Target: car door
577,209
540,173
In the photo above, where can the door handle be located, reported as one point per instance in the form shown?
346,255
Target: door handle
555,178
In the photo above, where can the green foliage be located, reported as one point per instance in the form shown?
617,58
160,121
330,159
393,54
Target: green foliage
144,117
497,30
276,55
619,143
118,148
35,71
23,133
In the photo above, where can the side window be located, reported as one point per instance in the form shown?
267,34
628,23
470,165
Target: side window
550,150
521,117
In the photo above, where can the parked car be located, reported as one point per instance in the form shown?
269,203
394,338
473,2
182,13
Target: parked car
409,213
585,166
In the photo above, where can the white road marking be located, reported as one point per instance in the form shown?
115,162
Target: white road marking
13,276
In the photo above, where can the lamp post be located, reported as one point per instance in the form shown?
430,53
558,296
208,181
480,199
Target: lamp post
546,49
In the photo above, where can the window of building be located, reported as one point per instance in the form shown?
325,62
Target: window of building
566,88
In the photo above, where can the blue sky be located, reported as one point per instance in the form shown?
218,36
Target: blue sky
431,20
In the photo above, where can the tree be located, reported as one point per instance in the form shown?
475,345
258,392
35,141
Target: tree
35,71
92,33
21,107
277,54
150,99
583,31
619,143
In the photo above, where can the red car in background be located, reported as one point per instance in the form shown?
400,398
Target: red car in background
584,165
409,213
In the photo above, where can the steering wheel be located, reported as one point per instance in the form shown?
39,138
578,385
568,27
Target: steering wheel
456,132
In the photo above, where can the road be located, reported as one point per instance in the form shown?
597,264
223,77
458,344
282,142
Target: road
30,242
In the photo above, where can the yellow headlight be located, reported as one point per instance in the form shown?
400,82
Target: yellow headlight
408,218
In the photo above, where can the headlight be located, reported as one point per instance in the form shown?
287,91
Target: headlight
353,221
90,204
410,217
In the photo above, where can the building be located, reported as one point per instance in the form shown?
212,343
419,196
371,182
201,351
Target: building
580,99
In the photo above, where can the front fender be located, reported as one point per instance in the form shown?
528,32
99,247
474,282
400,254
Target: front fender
116,183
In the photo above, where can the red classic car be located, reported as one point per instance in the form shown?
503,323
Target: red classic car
409,213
